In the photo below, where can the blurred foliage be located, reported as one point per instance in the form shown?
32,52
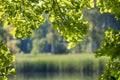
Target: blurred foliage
112,71
39,46
25,45
110,44
6,60
12,45
6,57
26,15
109,6
47,40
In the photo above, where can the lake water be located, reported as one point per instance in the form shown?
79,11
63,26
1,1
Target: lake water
55,76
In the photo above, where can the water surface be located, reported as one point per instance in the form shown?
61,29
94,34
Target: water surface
55,76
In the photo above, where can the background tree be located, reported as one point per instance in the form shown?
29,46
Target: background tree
47,40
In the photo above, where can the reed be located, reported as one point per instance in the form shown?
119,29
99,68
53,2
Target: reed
60,63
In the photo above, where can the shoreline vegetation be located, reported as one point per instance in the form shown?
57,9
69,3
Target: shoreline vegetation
48,63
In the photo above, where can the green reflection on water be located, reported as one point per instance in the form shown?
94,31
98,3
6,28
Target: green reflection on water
55,76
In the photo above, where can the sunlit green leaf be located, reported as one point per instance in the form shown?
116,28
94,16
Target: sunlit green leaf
12,71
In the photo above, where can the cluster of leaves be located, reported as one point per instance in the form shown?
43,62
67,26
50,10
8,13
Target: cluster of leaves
112,71
111,42
68,19
24,15
110,6
6,60
110,45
